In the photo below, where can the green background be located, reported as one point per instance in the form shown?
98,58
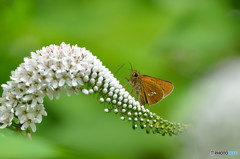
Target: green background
176,40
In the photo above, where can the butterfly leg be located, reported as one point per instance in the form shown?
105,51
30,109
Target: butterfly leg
126,84
124,78
132,89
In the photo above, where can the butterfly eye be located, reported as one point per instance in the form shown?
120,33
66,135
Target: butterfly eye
135,75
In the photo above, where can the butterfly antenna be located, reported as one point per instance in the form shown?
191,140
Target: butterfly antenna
130,65
121,66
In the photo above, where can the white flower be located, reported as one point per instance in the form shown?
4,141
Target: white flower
39,111
36,83
76,79
30,123
58,65
63,77
69,63
30,64
34,98
73,89
21,112
56,69
52,79
9,99
48,90
6,116
58,91
44,66
26,77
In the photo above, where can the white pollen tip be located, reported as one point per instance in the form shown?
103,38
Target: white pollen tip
114,101
106,110
91,91
104,90
110,93
85,78
115,110
108,99
99,83
85,91
102,100
95,88
92,81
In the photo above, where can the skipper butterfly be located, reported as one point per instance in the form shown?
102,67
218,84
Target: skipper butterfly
149,90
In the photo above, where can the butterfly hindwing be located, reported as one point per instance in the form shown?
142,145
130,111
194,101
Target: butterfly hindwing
141,97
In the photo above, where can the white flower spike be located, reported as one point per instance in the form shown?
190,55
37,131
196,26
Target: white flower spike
56,69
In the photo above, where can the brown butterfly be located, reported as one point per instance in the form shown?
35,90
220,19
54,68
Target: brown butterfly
149,90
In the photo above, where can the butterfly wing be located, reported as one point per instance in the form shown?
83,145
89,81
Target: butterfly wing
155,89
141,96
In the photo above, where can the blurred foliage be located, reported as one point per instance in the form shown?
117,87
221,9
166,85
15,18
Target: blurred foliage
173,40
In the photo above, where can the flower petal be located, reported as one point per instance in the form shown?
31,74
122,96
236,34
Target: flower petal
34,103
55,84
33,127
74,82
61,82
3,126
25,126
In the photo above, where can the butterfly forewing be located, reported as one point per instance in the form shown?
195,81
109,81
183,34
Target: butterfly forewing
155,89
165,85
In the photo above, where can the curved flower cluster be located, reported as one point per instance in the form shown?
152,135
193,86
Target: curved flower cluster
55,69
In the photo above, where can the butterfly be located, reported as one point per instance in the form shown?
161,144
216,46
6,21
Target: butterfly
149,90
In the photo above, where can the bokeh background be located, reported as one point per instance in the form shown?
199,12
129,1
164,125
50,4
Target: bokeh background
193,44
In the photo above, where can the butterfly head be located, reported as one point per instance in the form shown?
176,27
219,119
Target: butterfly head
134,74
134,77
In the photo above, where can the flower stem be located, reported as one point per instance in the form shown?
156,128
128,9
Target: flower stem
29,134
